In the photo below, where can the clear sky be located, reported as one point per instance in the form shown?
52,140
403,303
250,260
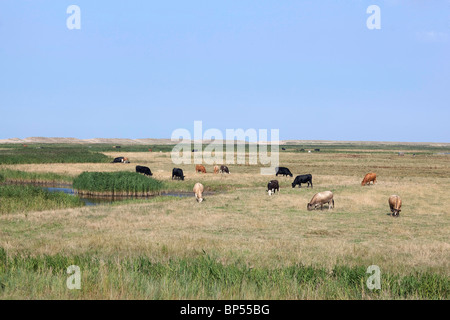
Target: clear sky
141,69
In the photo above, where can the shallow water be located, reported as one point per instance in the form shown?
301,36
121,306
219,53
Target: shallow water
93,201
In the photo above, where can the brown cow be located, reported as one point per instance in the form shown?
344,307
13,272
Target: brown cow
200,168
216,169
368,178
198,191
395,203
320,199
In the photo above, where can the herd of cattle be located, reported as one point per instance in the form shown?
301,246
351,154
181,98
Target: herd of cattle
318,200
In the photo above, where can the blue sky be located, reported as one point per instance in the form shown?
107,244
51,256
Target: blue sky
141,69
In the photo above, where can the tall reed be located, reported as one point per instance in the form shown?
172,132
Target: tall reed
122,183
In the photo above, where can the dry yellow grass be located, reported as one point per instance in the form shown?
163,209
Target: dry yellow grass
245,223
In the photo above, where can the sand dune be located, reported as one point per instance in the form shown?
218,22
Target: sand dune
150,141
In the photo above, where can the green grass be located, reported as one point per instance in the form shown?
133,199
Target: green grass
50,154
201,277
33,177
17,198
117,183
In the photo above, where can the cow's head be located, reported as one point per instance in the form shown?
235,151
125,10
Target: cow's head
310,206
199,200
293,184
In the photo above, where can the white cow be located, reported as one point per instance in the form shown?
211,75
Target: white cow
198,191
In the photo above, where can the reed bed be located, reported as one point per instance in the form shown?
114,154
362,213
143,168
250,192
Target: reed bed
201,277
122,183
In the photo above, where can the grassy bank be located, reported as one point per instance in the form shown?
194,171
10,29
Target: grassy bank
201,277
117,183
18,176
50,154
14,198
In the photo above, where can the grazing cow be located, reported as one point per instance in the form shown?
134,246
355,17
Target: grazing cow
370,177
224,169
283,171
120,160
401,154
200,168
216,169
198,191
395,203
320,199
283,149
305,178
317,150
145,170
272,187
194,150
177,173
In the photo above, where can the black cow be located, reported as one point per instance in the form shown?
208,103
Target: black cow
145,170
272,187
120,160
283,171
177,173
224,169
304,178
317,150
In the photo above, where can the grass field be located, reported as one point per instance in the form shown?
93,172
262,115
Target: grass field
240,243
49,154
